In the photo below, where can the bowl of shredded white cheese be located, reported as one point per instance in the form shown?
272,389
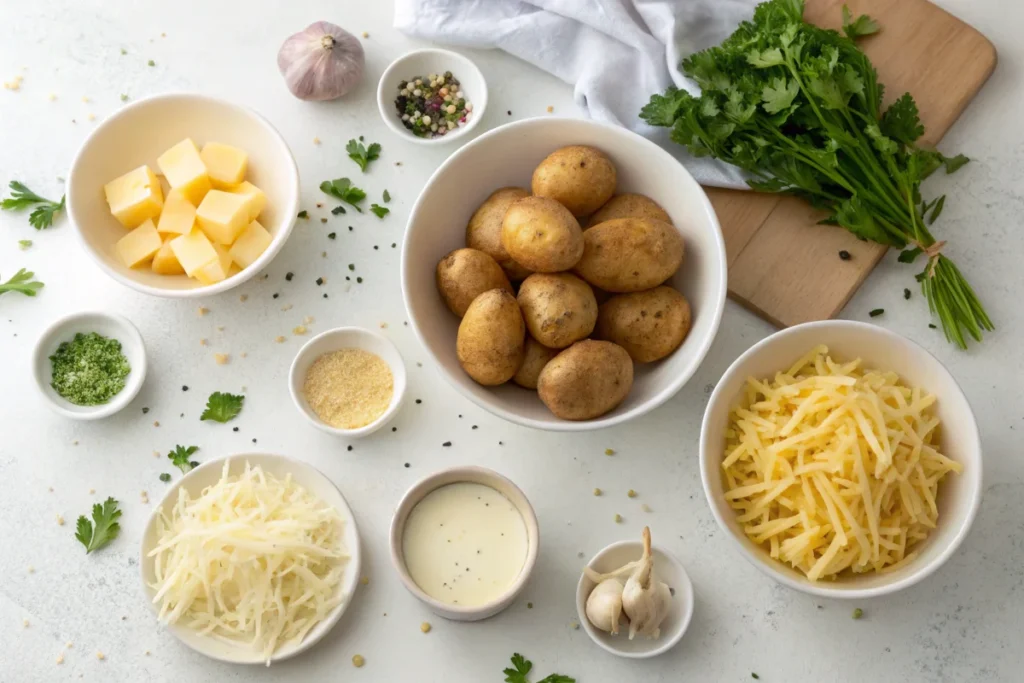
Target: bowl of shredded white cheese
251,558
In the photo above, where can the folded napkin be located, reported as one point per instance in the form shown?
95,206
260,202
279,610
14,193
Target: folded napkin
616,53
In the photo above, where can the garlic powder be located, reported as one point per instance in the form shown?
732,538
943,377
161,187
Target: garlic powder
349,388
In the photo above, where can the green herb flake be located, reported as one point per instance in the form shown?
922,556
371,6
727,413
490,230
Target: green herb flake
222,407
124,51
102,529
755,676
387,196
24,244
124,97
89,370
164,477
362,155
303,215
858,613
379,211
906,293
180,458
874,313
338,210
332,235
151,63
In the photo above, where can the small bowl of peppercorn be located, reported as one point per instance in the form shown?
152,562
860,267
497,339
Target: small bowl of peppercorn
89,365
432,96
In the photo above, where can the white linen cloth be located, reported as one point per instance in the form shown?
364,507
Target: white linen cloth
616,53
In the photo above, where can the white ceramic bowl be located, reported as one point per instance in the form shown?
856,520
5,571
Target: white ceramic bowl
668,570
478,475
421,63
347,338
107,324
140,132
959,494
280,466
507,156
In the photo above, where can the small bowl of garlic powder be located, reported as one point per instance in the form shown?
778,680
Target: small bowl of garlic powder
348,381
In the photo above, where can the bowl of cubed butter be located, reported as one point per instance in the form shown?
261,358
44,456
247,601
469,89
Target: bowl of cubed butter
183,195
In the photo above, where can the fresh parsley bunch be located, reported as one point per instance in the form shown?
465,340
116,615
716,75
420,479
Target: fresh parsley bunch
800,108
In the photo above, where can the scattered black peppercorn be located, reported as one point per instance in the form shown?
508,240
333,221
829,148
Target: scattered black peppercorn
474,426
319,281
394,244
407,465
254,440
276,295
350,448
876,312
351,266
931,326
446,444
289,276
501,443
394,429
359,279
348,279
375,247
184,387
510,112
845,255
234,429
325,295
906,293
350,228
145,410
420,400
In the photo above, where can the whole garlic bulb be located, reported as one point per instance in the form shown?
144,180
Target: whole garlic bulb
322,62
604,605
645,600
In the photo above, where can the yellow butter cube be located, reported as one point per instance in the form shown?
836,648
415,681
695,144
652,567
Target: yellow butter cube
193,251
178,215
139,245
215,271
250,244
254,198
222,216
165,262
135,197
225,164
185,170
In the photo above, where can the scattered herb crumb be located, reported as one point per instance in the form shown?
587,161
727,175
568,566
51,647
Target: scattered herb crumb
379,211
755,676
359,280
338,209
164,477
931,326
151,63
319,281
386,196
124,51
288,276
124,97
609,451
874,313
302,214
906,293
24,244
332,235
618,518
858,613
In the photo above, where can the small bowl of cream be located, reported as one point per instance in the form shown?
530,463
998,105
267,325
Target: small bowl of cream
464,542
348,381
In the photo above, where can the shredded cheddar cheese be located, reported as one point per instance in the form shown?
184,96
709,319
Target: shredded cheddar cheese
833,467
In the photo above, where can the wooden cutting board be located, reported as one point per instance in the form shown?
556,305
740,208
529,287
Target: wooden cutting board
782,264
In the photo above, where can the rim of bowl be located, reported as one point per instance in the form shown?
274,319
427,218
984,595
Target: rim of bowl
120,400
778,573
383,99
663,646
397,398
332,618
428,485
238,278
604,421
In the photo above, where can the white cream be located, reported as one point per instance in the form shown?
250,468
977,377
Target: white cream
464,544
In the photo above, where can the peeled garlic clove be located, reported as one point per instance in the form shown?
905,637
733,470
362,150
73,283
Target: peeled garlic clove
645,600
604,605
323,62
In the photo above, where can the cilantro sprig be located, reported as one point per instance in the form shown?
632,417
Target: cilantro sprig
362,155
522,667
221,407
22,198
180,458
21,282
102,529
800,109
343,189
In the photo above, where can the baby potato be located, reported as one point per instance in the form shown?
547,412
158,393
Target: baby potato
464,274
559,308
484,229
629,206
650,325
541,235
491,338
580,178
586,380
535,358
630,254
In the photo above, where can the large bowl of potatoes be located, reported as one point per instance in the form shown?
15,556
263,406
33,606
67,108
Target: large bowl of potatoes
564,274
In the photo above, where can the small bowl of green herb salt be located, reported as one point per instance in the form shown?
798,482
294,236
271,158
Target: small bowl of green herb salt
90,365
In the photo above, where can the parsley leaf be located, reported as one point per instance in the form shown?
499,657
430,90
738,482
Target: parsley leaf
22,198
779,94
343,189
902,121
21,282
102,530
861,26
523,666
662,109
222,407
379,211
362,155
180,458
953,164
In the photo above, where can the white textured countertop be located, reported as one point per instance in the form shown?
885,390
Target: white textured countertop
962,624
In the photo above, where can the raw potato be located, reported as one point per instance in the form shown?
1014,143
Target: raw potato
649,325
629,206
586,380
534,359
541,235
578,177
465,274
491,338
559,308
630,254
484,229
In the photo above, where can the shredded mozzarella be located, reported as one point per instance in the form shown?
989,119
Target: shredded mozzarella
253,560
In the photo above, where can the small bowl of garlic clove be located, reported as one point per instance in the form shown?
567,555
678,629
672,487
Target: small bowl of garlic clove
635,600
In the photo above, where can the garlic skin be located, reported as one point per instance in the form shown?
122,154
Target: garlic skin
645,600
322,62
604,605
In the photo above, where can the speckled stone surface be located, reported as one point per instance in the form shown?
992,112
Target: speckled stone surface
962,624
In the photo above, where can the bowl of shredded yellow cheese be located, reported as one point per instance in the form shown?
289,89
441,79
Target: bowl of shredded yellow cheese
251,558
844,459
